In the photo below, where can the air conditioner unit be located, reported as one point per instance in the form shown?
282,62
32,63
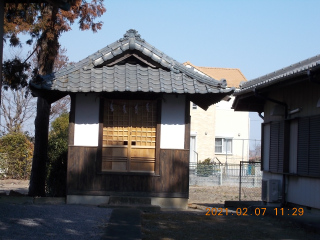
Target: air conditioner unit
270,190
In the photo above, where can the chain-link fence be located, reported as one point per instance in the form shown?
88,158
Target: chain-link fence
239,168
247,176
250,181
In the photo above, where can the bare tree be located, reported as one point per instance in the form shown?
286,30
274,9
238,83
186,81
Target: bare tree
16,109
18,106
59,107
255,153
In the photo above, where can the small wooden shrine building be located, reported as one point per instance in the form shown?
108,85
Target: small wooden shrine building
130,122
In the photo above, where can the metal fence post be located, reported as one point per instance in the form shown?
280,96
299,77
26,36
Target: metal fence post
220,176
255,175
226,152
240,182
242,149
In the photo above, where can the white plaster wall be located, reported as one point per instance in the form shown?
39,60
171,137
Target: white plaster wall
304,191
235,125
86,129
172,122
299,190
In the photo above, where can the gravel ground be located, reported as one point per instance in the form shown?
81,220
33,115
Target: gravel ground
52,221
87,222
196,225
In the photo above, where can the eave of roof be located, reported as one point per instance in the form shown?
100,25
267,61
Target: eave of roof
280,75
132,78
245,99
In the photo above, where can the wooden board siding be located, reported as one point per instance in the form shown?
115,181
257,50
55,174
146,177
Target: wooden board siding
83,179
303,95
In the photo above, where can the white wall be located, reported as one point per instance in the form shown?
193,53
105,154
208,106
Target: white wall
86,129
234,125
303,191
299,190
172,122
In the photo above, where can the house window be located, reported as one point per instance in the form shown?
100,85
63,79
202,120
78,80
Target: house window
129,135
194,106
223,145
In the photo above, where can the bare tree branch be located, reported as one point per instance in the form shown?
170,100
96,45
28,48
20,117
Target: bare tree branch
16,109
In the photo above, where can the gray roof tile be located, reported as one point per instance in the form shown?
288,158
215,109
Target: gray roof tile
131,40
280,75
128,78
85,76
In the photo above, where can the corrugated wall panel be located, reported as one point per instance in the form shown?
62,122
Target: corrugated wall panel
309,146
293,146
276,147
314,143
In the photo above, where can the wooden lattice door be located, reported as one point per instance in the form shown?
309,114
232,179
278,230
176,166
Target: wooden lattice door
129,135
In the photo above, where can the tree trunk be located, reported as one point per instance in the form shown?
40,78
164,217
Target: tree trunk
40,154
48,50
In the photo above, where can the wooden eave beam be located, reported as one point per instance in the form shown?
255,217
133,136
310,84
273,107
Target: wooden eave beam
127,56
248,102
140,56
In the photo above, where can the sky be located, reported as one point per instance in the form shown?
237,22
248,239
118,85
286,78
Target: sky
258,37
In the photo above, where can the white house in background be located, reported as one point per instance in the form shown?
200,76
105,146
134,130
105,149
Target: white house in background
219,131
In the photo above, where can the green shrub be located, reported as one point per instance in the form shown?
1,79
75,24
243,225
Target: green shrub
205,168
57,157
16,153
206,161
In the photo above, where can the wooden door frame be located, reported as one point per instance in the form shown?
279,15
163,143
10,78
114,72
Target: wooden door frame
155,97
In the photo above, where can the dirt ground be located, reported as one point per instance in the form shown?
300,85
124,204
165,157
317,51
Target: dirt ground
169,225
195,224
13,184
215,194
219,194
188,225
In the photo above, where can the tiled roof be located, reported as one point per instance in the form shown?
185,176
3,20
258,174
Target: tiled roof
88,75
128,77
281,74
233,75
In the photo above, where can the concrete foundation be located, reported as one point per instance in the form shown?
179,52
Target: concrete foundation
89,200
97,200
170,202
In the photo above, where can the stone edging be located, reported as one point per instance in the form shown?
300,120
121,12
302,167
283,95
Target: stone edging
32,200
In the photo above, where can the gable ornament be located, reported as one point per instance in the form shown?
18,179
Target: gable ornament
131,33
